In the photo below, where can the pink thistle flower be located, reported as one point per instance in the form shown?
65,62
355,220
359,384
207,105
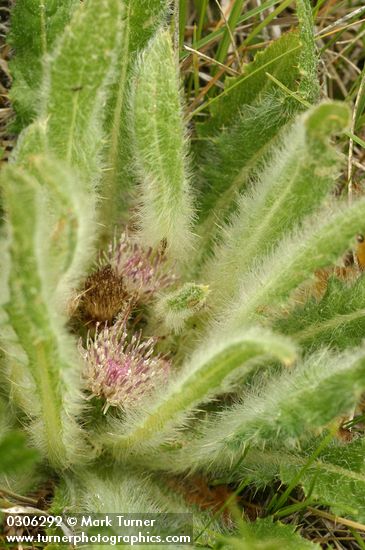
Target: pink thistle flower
120,370
141,269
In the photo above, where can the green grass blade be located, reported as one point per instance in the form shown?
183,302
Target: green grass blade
226,41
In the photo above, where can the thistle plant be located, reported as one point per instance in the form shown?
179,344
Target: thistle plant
159,316
119,371
140,268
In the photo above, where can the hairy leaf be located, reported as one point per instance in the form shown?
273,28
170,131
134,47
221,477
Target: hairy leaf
308,64
231,160
251,114
137,493
325,236
292,186
199,381
75,85
264,534
161,150
35,25
337,319
283,410
280,59
141,18
240,134
41,362
336,478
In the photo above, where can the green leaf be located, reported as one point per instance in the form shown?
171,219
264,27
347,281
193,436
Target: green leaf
98,494
324,237
68,250
336,478
264,534
141,18
94,492
336,320
31,141
161,149
41,361
76,81
35,25
293,185
205,375
229,161
283,409
16,457
308,64
280,59
251,116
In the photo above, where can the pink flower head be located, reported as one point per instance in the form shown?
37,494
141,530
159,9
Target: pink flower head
121,370
141,269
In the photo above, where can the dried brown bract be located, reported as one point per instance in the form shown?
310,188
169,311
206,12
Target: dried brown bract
103,297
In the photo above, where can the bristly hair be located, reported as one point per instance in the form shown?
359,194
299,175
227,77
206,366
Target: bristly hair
104,296
122,369
127,274
143,269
